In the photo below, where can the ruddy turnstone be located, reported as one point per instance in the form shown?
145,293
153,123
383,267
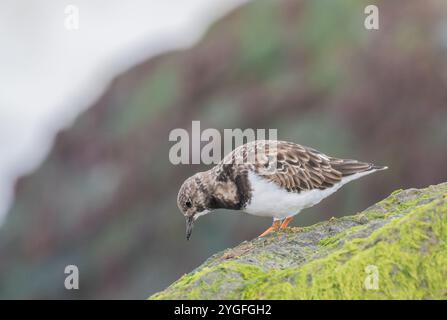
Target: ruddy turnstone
268,178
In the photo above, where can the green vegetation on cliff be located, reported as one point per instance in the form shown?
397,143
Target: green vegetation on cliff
396,249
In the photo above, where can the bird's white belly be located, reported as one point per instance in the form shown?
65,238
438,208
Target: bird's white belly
270,200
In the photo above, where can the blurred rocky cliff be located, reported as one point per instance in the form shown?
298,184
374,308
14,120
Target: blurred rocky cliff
105,199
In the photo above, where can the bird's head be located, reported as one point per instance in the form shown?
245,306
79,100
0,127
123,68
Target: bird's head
192,199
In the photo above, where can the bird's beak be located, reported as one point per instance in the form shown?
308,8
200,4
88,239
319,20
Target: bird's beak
189,226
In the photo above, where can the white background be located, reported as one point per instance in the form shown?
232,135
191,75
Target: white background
49,74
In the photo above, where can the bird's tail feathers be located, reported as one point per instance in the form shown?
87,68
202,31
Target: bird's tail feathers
348,167
378,168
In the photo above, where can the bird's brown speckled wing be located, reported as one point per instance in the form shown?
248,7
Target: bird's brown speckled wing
298,167
302,168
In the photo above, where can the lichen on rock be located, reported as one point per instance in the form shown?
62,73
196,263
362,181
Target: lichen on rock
401,242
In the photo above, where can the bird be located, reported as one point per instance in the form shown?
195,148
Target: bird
268,178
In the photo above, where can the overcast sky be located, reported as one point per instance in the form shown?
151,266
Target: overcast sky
49,73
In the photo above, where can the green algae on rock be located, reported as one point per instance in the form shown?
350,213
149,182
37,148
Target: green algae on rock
402,239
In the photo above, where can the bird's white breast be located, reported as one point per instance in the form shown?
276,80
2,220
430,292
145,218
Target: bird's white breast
270,200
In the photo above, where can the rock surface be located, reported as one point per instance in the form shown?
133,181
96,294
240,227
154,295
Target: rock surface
396,249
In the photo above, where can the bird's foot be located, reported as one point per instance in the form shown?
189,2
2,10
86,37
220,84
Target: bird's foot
275,227
285,223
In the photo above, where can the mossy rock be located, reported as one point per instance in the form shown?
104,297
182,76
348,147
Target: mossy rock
396,249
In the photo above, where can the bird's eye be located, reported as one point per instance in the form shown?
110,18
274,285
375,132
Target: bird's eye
188,204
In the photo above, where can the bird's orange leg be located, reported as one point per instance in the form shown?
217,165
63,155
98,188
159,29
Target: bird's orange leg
285,223
275,226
